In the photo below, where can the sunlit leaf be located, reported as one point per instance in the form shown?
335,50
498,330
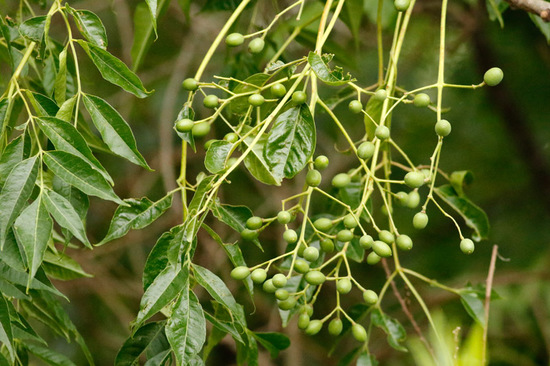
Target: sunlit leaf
217,155
90,26
33,28
319,65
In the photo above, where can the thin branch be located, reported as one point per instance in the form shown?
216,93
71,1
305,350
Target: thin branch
537,7
488,289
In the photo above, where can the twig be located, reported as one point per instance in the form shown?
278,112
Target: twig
488,289
537,7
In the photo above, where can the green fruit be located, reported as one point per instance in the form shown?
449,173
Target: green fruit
248,234
231,162
311,254
382,132
313,178
307,309
301,248
443,128
190,84
287,304
386,236
211,101
321,162
370,297
184,125
200,129
335,327
281,294
365,151
254,223
414,199
359,332
301,266
493,76
278,90
234,39
404,242
366,242
279,280
341,180
427,174
344,235
401,5
420,220
381,249
323,224
240,273
256,100
256,45
343,286
373,258
284,217
350,222
421,100
380,94
290,236
315,278
327,245
467,246
269,287
414,179
299,97
231,137
303,321
314,327
402,198
209,143
258,275
355,106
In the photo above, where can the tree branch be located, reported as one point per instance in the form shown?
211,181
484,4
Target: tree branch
537,7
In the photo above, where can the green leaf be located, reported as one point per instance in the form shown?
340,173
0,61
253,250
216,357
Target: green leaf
144,30
240,105
20,278
256,163
373,111
65,215
234,216
13,154
116,133
48,355
291,142
134,346
62,267
43,105
225,327
219,291
187,112
495,8
543,26
6,334
66,110
114,71
60,85
395,331
152,5
273,342
366,359
16,192
5,32
219,5
217,155
460,180
165,287
66,138
473,304
90,26
158,257
33,28
12,291
11,253
319,65
78,200
352,16
186,328
474,216
136,214
33,230
80,174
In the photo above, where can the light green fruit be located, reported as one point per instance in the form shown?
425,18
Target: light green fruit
269,287
344,235
420,220
287,304
301,266
258,275
184,125
284,217
366,242
256,100
190,84
341,180
343,286
311,254
335,327
281,294
421,100
327,245
381,249
200,129
414,179
380,94
359,332
493,76
382,132
254,222
313,178
315,278
414,199
443,128
467,246
279,280
290,236
386,236
404,242
303,321
234,39
350,222
373,258
370,297
323,224
256,45
314,327
321,162
240,273
365,151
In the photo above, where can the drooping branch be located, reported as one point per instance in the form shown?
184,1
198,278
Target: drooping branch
537,7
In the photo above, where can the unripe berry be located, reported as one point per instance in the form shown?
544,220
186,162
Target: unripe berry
323,224
184,125
240,273
284,217
314,327
279,280
365,151
315,278
386,236
350,222
381,249
313,178
281,294
443,128
335,327
258,275
311,254
355,106
278,90
493,76
327,245
290,236
301,266
269,287
370,297
420,220
344,235
200,129
414,199
359,332
234,39
421,100
254,223
467,246
299,97
373,258
287,304
231,137
256,45
341,180
321,162
401,5
402,198
366,241
190,84
404,242
256,100
382,132
380,94
414,179
343,286
211,101
248,234
303,321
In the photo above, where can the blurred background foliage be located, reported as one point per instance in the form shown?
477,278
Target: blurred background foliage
501,134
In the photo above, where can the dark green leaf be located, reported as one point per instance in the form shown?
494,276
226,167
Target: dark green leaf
20,278
352,15
366,359
234,216
347,359
10,290
240,105
474,216
134,346
273,342
319,65
291,142
80,174
158,258
66,138
144,30
256,163
165,287
33,28
16,192
495,8
33,230
62,267
11,253
60,85
66,110
6,334
219,5
5,32
78,200
543,26
373,111
186,328
137,214
225,327
473,304
460,180
90,26
43,105
13,154
115,131
48,355
395,331
114,70
66,216
217,155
